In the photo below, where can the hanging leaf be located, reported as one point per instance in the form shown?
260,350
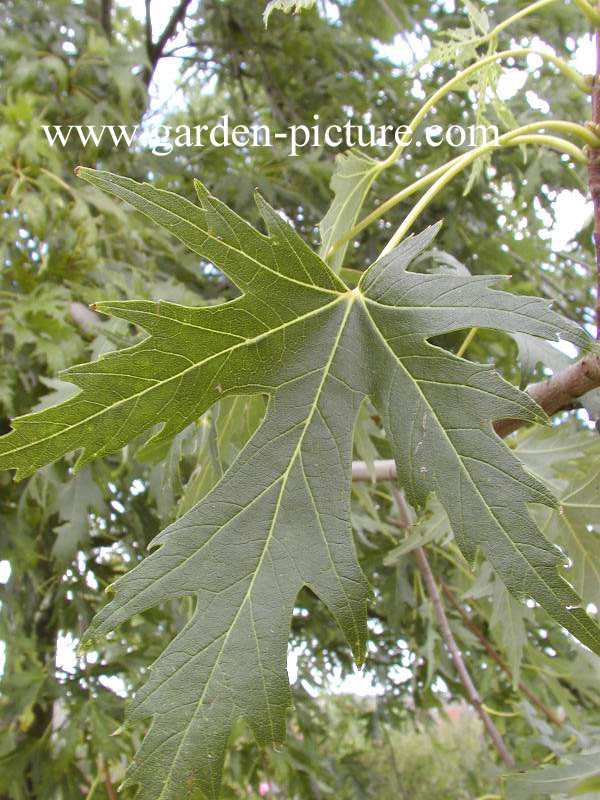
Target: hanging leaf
73,503
286,6
563,779
477,17
569,463
508,623
353,176
279,518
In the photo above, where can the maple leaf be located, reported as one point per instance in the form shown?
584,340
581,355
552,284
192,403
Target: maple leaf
279,517
72,503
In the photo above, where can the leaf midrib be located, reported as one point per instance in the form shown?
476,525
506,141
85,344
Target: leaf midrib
244,255
459,457
247,597
177,376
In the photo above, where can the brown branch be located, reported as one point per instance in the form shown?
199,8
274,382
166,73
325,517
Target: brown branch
110,789
449,640
560,391
465,678
106,18
594,176
148,30
156,49
556,394
493,653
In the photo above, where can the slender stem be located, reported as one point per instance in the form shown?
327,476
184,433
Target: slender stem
93,786
58,180
463,674
110,789
468,339
512,138
594,177
447,636
491,651
450,642
564,126
495,713
514,18
555,143
590,12
458,79
421,183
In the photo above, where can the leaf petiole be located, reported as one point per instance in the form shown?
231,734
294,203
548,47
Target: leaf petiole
589,11
512,138
583,132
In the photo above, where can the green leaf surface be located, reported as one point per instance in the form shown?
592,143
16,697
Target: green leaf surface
508,623
562,779
286,6
279,518
569,463
73,502
353,176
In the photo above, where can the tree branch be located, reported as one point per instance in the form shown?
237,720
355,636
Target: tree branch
155,50
106,18
594,176
110,789
148,30
447,636
560,391
554,395
465,678
493,653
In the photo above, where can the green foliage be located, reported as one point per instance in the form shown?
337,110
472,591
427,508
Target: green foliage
301,335
366,756
579,777
68,535
286,6
350,183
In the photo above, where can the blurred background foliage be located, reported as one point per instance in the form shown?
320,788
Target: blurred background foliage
63,245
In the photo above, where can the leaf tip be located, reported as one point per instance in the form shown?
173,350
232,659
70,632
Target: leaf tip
86,644
201,191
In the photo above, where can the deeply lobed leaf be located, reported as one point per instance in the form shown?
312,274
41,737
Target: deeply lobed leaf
279,518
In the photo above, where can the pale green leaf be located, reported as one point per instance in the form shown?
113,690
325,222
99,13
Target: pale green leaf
554,780
569,462
76,498
508,624
534,351
353,176
279,518
286,6
479,18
